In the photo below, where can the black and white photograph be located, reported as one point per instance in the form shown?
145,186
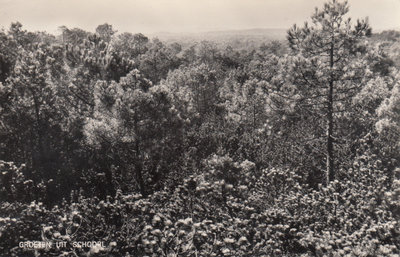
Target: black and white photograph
187,128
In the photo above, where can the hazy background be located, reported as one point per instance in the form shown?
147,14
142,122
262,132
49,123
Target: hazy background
153,16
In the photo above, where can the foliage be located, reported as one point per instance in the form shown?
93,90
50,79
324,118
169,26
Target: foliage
168,149
213,214
143,120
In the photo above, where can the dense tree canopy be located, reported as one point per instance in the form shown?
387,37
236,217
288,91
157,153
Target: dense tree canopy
175,149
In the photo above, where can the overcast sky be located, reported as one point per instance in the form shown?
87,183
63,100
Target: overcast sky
149,16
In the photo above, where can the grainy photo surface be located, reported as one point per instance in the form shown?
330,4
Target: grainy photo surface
199,128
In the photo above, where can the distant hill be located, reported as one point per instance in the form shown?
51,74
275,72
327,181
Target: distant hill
235,38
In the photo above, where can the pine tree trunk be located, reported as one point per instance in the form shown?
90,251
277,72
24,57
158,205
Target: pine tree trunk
138,165
139,177
329,143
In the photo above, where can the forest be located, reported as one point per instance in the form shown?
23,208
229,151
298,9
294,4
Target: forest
154,148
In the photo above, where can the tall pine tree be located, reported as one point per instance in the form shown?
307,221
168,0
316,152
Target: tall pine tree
326,66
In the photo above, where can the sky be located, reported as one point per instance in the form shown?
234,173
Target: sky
153,16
